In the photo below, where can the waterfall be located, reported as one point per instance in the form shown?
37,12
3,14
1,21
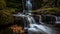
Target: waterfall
34,27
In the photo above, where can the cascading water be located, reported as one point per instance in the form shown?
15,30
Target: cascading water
29,5
31,20
40,21
34,27
37,29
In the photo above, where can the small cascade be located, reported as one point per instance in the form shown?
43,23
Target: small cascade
57,19
40,20
31,20
29,6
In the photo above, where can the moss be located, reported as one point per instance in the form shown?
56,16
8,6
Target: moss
6,17
51,10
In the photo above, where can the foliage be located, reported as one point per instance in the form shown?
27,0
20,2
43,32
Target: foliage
2,4
15,4
6,17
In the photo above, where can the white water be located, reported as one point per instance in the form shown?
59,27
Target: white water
37,29
31,19
34,27
29,6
